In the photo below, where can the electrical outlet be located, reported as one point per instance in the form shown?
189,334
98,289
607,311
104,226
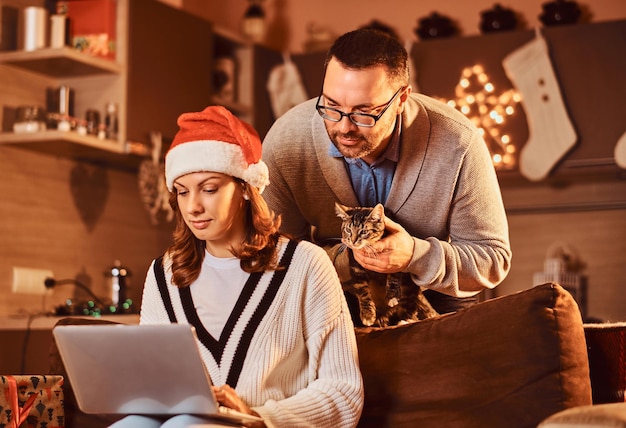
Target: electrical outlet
30,280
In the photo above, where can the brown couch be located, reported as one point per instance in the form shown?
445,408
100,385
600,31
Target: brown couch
511,361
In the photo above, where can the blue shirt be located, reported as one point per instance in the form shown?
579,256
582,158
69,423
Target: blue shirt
372,183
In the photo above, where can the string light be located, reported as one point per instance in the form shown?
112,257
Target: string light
476,98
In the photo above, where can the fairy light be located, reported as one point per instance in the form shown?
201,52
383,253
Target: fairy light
477,98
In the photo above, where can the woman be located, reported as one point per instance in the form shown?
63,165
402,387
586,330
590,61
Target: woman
273,327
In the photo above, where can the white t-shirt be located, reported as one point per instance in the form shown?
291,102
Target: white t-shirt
216,291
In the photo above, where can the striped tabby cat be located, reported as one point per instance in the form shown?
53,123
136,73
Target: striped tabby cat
384,299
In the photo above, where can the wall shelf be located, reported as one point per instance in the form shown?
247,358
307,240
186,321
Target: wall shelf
60,62
70,144
150,93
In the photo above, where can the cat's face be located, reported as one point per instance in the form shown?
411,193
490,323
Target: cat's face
361,226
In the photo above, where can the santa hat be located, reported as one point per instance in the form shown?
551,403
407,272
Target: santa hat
217,141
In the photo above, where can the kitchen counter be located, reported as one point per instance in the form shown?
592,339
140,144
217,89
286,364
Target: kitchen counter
46,322
25,341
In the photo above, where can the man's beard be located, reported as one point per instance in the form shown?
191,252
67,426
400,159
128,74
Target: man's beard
363,149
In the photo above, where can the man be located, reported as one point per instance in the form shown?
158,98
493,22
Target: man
368,139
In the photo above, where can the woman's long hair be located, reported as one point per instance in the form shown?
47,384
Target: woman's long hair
257,252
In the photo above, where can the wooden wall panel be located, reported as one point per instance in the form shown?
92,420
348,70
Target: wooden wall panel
587,60
599,239
75,219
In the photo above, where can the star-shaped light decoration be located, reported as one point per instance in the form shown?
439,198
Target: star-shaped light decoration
477,99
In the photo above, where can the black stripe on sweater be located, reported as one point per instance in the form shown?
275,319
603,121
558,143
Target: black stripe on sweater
259,313
159,273
214,346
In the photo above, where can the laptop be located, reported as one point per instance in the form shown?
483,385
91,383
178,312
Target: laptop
140,369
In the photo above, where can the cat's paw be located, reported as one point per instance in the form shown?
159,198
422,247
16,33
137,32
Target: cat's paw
392,302
368,319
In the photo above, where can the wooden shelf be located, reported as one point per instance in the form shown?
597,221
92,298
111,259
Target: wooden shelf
47,322
145,103
569,171
60,62
72,145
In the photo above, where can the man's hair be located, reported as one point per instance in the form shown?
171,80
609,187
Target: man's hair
364,48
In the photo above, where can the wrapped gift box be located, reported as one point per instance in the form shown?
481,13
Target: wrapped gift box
31,401
92,26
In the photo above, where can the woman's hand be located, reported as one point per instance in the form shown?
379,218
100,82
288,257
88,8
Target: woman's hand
228,397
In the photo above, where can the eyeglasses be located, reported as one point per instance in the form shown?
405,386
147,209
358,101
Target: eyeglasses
359,119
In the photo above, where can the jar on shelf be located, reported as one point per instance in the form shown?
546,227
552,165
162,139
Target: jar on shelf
30,118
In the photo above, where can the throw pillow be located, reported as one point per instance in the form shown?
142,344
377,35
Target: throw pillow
507,362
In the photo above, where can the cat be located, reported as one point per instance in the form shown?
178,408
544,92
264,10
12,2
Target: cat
384,299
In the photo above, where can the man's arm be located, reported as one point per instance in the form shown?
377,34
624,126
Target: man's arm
476,254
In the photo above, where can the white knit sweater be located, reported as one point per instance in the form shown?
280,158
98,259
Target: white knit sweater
301,366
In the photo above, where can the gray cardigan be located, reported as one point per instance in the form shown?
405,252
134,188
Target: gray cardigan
445,193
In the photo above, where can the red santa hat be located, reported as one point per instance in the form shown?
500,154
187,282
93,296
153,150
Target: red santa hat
217,141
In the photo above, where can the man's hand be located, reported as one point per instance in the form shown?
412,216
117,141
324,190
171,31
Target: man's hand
391,254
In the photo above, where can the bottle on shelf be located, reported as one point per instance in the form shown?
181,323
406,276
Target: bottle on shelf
118,275
92,118
59,26
110,121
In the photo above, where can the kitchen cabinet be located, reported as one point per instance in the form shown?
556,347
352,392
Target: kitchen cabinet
163,66
169,67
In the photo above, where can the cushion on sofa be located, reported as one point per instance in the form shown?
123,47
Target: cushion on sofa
612,415
507,362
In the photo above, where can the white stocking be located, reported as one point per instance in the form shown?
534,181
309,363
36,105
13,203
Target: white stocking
551,133
620,151
285,87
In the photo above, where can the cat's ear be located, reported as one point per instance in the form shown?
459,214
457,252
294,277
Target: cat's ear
340,210
378,212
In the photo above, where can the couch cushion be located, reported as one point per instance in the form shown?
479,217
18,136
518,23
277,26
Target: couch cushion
507,362
612,415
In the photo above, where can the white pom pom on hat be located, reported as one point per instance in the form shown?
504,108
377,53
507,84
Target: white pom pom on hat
217,141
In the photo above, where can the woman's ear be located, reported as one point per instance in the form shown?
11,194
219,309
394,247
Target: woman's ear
244,190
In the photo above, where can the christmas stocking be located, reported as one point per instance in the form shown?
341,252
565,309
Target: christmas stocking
285,87
551,133
620,151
